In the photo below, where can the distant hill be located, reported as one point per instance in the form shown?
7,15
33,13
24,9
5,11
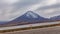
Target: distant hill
3,22
55,18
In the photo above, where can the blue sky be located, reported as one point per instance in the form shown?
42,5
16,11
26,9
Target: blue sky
11,9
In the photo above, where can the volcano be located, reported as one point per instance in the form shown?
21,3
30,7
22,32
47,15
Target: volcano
29,17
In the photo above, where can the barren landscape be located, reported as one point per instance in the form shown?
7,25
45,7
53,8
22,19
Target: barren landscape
47,30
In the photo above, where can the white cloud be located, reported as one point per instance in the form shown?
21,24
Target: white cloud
41,4
50,2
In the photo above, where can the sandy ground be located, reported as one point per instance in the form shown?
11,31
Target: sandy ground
49,30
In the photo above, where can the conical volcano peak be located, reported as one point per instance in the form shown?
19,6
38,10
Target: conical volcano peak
31,14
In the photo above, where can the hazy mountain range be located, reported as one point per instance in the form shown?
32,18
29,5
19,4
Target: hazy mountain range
30,17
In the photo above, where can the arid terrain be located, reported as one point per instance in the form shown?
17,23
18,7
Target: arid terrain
49,30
